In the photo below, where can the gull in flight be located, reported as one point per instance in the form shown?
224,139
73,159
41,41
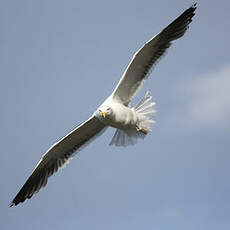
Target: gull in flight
131,123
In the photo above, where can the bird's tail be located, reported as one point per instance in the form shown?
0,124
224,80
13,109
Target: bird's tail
145,110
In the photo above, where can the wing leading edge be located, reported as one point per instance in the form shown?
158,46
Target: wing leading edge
57,156
148,55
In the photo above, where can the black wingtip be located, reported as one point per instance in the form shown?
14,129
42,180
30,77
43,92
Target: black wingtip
193,5
11,204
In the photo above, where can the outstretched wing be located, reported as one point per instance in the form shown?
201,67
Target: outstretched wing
57,156
147,56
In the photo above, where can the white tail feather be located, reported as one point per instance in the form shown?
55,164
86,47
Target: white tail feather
145,111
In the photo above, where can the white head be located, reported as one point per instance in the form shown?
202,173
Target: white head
103,112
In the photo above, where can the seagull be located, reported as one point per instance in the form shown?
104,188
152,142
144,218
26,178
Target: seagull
131,123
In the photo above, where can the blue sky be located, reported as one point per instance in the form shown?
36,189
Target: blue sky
59,60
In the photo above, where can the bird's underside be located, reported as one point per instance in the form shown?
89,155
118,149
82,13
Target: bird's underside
131,125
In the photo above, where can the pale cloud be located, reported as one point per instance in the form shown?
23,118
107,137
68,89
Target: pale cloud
209,99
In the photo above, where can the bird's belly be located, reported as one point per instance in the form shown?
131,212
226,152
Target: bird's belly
125,119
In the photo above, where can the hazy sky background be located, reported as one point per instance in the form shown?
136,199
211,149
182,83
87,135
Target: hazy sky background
59,60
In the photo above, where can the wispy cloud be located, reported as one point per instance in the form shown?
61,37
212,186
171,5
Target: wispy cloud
209,99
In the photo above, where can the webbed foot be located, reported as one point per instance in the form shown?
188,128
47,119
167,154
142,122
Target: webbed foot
142,130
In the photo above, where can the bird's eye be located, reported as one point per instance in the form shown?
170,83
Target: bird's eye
99,110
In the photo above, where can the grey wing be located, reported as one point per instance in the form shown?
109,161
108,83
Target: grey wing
57,156
146,57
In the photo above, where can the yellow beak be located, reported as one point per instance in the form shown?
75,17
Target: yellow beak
104,114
